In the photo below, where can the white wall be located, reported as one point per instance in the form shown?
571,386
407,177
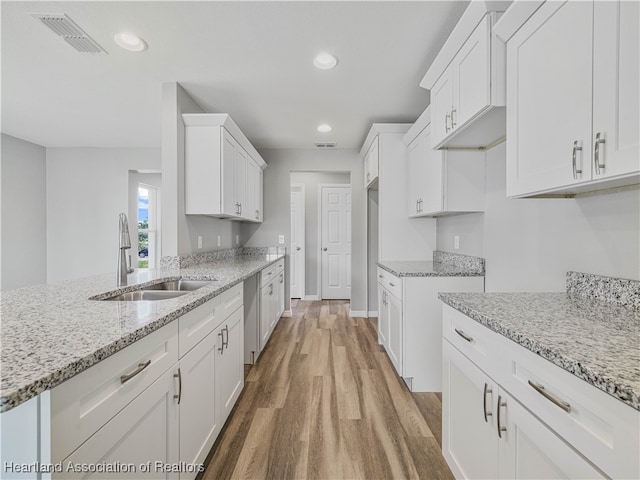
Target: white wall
311,180
530,244
277,211
86,190
180,231
24,213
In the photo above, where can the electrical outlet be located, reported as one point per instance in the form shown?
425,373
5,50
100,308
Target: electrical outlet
281,239
237,239
219,241
199,241
456,242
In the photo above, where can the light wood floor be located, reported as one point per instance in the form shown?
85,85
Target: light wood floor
324,402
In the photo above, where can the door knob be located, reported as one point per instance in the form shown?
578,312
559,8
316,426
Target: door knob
298,248
324,249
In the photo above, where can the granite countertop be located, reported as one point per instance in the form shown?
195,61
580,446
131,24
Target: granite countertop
428,269
51,332
596,341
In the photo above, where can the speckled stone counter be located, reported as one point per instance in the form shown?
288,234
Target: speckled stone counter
594,340
49,333
443,265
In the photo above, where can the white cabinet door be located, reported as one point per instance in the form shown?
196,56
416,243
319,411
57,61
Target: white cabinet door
416,152
229,153
252,210
383,316
432,194
549,91
528,449
615,88
469,435
395,340
146,430
229,367
199,425
241,183
441,106
266,313
471,70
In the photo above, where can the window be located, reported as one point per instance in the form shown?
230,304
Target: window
147,226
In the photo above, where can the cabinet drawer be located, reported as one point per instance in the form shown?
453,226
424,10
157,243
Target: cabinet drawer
392,283
84,403
271,272
230,300
198,323
599,426
474,340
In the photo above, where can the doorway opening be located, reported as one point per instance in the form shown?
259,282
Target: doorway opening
320,248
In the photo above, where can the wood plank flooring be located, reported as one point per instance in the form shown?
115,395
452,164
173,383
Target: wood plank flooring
323,402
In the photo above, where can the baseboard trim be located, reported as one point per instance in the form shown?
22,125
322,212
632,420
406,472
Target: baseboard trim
286,313
311,298
357,313
373,313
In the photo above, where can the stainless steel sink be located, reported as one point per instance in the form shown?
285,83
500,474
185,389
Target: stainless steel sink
179,285
149,295
160,291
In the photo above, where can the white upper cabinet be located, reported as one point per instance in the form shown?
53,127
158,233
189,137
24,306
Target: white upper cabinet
572,97
441,182
467,82
371,165
223,172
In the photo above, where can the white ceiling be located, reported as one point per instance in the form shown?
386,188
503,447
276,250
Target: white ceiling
252,60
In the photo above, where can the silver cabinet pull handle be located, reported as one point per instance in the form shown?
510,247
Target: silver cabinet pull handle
271,289
596,153
179,377
446,122
486,414
324,249
282,278
393,285
129,376
576,149
225,343
380,276
560,403
463,335
221,348
500,427
453,122
417,206
298,248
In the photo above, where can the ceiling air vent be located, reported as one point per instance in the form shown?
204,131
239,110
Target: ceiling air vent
71,33
326,145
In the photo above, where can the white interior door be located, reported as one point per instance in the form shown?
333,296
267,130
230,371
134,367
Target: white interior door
335,241
296,257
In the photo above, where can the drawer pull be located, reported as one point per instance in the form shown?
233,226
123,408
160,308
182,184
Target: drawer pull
129,376
380,276
179,377
486,414
225,343
221,334
393,285
540,389
463,335
500,427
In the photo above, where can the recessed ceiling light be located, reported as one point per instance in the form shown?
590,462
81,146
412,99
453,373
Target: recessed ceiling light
325,61
130,41
324,128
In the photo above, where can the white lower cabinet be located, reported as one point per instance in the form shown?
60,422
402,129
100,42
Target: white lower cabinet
229,369
146,430
488,434
154,409
271,300
509,413
199,423
410,324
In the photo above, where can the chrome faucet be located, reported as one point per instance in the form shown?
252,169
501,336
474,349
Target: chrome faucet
124,267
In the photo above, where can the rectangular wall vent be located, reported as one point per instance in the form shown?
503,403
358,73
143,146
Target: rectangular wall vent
64,27
326,145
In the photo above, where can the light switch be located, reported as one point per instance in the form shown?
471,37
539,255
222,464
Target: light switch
199,241
281,239
219,242
237,239
456,242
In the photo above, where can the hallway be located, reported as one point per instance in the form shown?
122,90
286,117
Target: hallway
324,402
